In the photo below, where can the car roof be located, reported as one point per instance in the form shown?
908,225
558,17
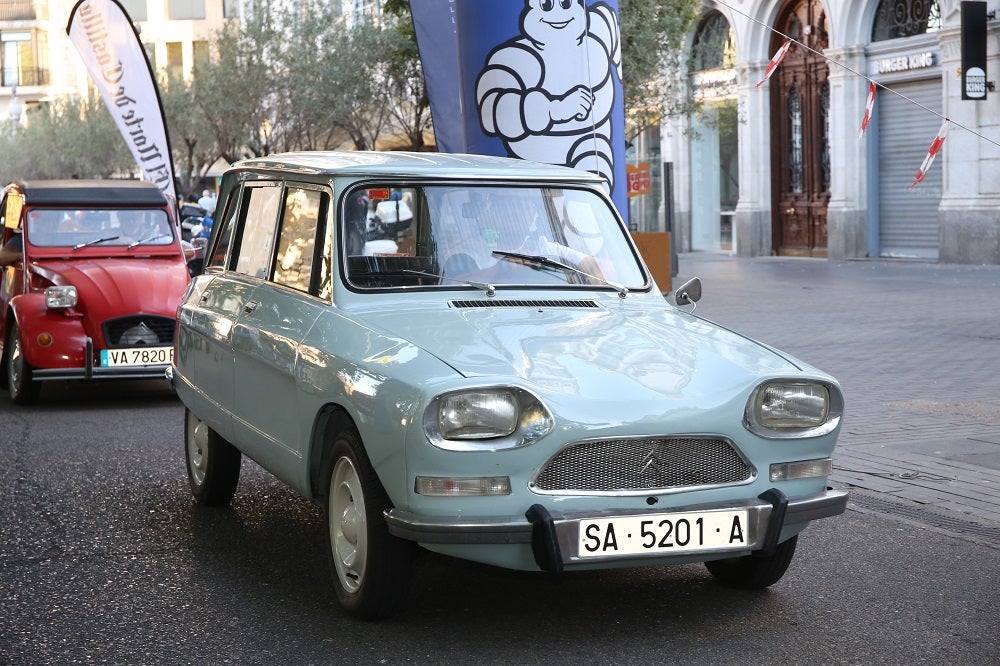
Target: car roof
414,165
89,192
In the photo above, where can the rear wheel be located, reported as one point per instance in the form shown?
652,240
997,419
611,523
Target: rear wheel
753,571
370,567
18,373
213,464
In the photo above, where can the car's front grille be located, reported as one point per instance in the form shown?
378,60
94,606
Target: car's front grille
139,331
643,465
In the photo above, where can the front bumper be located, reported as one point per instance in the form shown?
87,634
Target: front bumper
91,371
554,535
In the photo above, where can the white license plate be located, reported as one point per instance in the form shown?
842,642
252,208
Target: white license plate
137,356
663,534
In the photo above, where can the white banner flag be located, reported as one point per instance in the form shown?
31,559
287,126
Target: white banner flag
106,39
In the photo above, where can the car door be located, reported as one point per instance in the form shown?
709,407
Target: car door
271,325
205,326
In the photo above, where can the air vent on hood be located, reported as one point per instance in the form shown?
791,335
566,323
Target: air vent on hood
524,303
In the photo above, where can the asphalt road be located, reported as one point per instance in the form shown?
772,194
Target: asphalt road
105,559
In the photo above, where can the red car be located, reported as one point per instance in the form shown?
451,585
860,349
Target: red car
93,272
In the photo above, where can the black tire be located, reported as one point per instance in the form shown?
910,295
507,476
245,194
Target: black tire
370,567
753,571
213,464
18,373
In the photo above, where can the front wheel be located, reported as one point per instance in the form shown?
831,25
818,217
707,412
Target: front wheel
370,567
213,464
753,571
18,372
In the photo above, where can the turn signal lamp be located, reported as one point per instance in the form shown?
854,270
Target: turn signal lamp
443,486
803,469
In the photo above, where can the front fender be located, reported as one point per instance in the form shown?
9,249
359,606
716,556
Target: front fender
69,340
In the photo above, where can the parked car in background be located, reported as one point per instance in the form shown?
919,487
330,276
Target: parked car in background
92,289
492,376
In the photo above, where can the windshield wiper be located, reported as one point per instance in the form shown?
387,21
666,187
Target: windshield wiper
546,262
145,240
94,242
488,288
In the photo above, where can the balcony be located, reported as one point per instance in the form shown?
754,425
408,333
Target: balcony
25,77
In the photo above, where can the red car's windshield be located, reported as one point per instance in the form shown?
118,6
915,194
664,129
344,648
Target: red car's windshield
78,228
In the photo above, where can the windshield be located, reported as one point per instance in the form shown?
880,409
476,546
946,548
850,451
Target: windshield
88,227
485,237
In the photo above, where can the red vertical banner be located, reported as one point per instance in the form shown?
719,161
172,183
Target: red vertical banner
931,154
775,61
868,109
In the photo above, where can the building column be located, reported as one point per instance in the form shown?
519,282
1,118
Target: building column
752,221
970,201
846,219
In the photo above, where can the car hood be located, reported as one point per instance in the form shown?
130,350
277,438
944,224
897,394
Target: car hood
121,285
622,349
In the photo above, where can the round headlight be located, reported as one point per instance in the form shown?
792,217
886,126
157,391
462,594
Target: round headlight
793,409
486,419
479,415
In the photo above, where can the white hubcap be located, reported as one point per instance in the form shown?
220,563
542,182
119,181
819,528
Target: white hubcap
348,533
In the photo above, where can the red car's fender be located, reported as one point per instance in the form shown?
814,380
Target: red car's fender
69,340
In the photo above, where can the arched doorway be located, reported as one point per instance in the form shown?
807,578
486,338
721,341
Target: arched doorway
800,149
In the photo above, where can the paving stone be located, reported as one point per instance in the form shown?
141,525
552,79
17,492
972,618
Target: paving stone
914,345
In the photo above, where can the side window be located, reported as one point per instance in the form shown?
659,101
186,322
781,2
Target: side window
297,244
325,287
12,206
225,236
256,243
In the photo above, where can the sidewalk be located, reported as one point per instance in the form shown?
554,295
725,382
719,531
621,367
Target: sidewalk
916,347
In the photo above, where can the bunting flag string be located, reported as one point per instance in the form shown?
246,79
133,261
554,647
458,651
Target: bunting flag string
775,61
868,109
931,153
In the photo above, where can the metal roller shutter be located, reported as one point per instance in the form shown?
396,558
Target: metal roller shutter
908,219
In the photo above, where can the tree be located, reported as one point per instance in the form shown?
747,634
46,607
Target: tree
66,138
406,93
191,139
654,61
235,89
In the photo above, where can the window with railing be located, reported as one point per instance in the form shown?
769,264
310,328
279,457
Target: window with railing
21,65
905,18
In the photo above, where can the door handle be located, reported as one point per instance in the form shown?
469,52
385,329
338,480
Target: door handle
204,297
250,306
790,211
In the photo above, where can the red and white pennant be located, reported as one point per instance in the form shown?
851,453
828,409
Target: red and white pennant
868,109
931,154
775,61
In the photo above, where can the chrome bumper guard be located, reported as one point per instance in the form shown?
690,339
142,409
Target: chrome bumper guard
91,371
550,533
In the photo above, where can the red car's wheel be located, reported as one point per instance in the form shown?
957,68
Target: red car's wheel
17,371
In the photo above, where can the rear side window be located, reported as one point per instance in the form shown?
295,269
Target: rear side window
304,210
260,217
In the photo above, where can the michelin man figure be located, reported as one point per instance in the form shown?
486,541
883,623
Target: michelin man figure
548,93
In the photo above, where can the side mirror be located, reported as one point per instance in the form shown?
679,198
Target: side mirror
689,292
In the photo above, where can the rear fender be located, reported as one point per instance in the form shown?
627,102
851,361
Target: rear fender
69,340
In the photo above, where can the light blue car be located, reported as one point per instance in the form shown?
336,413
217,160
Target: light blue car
467,354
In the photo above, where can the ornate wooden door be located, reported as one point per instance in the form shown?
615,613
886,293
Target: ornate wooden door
800,153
